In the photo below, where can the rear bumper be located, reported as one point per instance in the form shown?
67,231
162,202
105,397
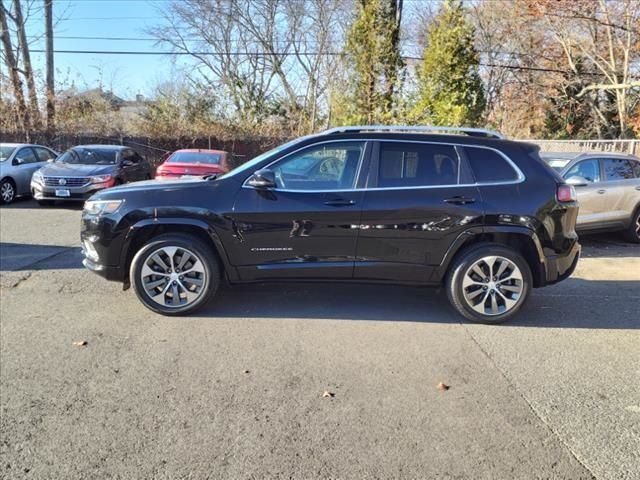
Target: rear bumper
560,267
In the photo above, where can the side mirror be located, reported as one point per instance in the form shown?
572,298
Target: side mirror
577,181
264,178
126,163
17,161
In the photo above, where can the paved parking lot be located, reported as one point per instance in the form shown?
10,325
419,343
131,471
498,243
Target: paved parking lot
237,390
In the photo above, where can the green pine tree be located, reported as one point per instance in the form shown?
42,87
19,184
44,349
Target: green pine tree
450,91
373,50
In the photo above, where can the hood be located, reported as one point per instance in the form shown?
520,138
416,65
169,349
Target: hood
56,169
149,185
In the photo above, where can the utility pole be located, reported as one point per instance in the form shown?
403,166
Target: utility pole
51,106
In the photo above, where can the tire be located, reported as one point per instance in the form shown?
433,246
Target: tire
45,203
7,191
632,234
200,279
464,285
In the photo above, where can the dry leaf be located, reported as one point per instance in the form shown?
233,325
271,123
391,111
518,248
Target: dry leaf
81,343
441,386
328,394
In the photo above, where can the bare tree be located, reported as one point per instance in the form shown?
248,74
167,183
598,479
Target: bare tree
20,22
12,67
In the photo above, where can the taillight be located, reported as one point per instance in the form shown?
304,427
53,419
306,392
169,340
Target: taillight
566,193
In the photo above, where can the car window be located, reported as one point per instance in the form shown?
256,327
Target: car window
417,164
329,166
44,154
195,157
88,156
5,152
129,155
26,155
589,169
489,166
617,169
636,168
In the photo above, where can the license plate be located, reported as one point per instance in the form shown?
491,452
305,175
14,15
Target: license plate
62,192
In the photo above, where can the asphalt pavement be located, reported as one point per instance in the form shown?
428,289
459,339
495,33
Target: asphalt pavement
311,380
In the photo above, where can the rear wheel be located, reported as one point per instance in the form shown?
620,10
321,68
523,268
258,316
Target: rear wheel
7,191
633,230
175,274
489,283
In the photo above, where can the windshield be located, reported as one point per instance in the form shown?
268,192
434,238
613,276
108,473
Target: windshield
557,164
195,157
5,152
88,156
257,160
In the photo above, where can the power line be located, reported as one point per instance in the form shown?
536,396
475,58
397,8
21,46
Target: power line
263,54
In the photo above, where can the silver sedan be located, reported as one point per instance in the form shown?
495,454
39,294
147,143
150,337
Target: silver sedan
18,162
608,187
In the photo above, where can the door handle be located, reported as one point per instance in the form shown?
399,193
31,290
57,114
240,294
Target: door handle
460,200
601,191
340,202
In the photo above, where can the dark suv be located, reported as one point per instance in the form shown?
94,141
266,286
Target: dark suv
482,215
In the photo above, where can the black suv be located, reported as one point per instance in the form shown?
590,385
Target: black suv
463,208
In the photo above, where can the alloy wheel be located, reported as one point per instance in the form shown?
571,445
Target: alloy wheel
638,225
492,285
173,277
7,192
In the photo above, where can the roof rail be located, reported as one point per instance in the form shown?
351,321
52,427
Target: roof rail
473,132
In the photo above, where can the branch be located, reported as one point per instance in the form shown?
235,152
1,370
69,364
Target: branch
606,86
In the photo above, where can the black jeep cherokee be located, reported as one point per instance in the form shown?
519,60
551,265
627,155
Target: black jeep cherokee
463,208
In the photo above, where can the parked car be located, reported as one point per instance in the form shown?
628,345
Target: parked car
608,187
18,161
83,170
193,163
483,216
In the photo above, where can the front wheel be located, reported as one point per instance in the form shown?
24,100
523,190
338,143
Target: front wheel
7,191
175,274
489,283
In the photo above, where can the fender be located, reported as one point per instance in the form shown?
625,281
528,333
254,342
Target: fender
179,221
467,235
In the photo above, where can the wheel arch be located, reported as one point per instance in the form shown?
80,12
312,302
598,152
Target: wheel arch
145,230
523,240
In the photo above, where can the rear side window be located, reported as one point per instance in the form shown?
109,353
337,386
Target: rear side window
417,165
617,169
489,166
636,169
44,154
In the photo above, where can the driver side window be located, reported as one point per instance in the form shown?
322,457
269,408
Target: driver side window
589,169
330,166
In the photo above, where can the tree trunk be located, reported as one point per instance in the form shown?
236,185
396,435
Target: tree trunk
51,106
12,66
26,60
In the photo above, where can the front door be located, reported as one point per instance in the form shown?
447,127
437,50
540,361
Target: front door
419,198
308,225
593,208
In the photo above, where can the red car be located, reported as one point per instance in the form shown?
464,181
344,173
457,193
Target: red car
193,162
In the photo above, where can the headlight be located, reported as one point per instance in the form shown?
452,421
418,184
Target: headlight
98,207
100,178
37,177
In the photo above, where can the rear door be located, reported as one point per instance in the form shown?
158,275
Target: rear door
420,196
307,226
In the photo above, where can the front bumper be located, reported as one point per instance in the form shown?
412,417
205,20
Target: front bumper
113,274
560,267
76,194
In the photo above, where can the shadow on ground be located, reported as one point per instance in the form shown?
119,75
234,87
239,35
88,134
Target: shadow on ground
21,256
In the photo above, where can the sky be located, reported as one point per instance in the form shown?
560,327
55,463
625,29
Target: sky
126,75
